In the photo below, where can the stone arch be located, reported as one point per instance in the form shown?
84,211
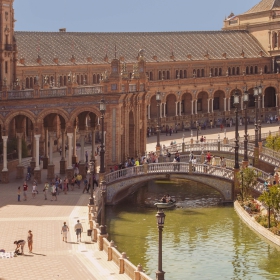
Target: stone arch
187,103
27,114
47,112
270,97
78,111
218,102
202,102
171,100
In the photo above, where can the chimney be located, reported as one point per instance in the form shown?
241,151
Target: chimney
62,29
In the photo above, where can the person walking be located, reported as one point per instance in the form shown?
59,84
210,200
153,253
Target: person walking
85,185
18,194
34,190
65,183
64,231
30,241
45,190
53,190
25,187
78,229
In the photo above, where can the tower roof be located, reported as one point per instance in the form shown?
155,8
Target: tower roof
264,5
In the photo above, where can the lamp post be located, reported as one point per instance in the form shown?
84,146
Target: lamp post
245,101
160,216
91,166
103,227
259,120
158,99
256,94
102,151
236,104
242,197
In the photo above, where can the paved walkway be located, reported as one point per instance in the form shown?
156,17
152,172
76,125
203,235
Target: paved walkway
52,258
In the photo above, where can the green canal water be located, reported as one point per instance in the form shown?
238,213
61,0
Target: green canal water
201,239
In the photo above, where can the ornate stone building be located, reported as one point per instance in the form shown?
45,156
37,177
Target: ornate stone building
52,82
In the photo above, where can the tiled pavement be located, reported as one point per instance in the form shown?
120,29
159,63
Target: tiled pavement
52,258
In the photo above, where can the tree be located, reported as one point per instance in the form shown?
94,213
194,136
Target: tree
271,197
273,142
247,178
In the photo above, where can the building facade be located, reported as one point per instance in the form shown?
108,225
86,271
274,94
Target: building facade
51,83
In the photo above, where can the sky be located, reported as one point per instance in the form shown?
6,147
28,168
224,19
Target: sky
125,15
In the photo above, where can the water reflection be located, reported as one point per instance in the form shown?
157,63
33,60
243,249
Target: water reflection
201,239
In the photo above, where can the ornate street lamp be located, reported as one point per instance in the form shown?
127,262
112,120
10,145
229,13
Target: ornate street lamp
259,121
245,101
236,104
91,166
160,222
158,99
103,227
102,151
256,94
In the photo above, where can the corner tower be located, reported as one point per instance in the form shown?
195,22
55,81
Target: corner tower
8,50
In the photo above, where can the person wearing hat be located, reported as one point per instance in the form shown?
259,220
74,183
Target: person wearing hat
30,241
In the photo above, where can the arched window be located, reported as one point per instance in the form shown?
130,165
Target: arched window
274,40
181,74
265,69
202,73
185,74
86,79
237,71
233,71
216,72
65,81
98,78
220,72
194,73
82,79
256,70
251,70
32,82
159,75
78,79
94,79
151,76
211,72
61,81
229,71
247,70
163,75
168,75
27,82
198,73
177,74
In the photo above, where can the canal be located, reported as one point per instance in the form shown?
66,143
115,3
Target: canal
201,238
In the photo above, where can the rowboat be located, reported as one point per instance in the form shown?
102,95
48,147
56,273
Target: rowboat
164,205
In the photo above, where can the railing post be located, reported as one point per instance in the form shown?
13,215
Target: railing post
190,167
122,262
110,250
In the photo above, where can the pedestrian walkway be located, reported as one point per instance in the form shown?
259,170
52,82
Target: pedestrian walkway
51,258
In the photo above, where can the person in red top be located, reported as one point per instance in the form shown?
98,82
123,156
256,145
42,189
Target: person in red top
25,187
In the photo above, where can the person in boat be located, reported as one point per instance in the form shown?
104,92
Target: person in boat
163,199
168,198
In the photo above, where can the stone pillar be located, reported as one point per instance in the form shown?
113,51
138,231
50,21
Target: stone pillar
212,109
176,107
225,104
37,170
5,171
160,110
229,104
63,160
263,101
149,111
82,165
276,100
33,149
195,107
51,174
46,157
192,107
70,170
74,153
180,108
20,167
208,100
164,109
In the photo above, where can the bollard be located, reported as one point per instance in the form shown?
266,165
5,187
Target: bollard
137,275
110,250
122,262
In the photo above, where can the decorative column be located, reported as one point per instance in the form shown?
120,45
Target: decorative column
37,170
229,104
225,104
176,107
70,170
263,101
195,107
5,171
33,150
192,107
63,160
82,165
149,111
46,157
51,174
180,108
208,100
276,100
20,167
160,111
74,155
212,109
164,110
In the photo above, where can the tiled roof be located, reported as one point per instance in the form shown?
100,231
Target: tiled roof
264,5
185,46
